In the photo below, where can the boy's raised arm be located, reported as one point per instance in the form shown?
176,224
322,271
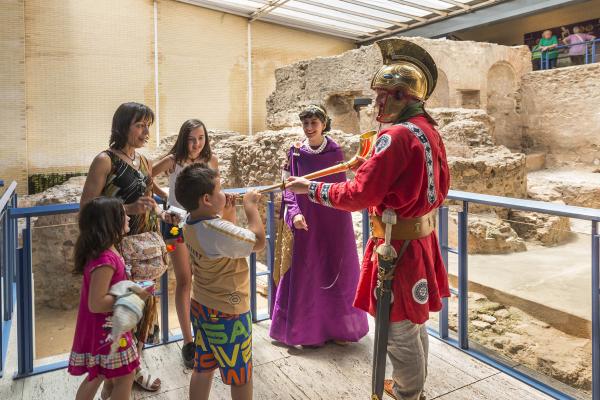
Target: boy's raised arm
255,224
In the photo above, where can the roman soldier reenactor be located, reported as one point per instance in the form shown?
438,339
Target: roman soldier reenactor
403,183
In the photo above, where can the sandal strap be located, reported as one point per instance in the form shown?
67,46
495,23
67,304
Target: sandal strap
146,382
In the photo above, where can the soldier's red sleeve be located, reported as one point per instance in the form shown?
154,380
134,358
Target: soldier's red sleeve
372,180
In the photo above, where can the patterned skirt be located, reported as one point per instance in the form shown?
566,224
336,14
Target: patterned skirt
124,361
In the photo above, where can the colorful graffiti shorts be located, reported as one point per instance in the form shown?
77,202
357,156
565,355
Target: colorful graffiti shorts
223,341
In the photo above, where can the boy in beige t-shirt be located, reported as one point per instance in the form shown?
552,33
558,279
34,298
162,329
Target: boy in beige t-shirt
220,309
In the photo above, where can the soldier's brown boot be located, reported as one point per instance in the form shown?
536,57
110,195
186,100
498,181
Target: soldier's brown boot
388,387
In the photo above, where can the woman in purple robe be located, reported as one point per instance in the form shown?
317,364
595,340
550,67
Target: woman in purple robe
314,297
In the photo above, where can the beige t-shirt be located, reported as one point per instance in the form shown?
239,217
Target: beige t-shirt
218,250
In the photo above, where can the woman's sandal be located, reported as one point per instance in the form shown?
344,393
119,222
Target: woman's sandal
144,383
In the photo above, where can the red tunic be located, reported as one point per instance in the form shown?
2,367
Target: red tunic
409,173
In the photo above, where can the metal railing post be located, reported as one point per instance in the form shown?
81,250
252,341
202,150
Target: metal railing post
164,308
165,335
6,271
253,287
463,278
595,311
443,241
12,255
586,53
271,235
25,306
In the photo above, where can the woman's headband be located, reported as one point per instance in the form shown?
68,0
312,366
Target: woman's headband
315,108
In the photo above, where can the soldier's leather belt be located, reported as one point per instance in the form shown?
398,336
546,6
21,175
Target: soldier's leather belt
405,228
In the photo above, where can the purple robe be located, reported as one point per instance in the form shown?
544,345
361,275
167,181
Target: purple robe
314,298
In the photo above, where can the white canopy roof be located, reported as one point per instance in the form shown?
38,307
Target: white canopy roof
359,20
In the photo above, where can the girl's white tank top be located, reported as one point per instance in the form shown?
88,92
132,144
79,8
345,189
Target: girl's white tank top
172,201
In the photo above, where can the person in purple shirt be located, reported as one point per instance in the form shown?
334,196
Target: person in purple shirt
313,304
579,48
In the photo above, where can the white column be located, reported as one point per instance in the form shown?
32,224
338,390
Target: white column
156,96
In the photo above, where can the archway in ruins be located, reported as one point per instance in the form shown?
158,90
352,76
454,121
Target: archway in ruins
441,95
501,90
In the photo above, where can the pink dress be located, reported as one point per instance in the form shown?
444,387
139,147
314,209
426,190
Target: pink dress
92,341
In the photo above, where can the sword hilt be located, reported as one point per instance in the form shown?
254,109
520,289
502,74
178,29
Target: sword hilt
389,219
386,250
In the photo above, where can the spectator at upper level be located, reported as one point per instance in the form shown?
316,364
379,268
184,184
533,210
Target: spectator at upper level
548,45
536,55
579,48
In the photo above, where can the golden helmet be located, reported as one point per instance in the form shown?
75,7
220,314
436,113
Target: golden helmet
407,67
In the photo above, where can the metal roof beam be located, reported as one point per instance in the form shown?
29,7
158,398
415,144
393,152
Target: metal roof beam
344,20
352,12
267,9
294,23
383,9
485,13
457,4
421,7
217,6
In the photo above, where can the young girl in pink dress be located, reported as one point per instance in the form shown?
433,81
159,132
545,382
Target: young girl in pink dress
102,224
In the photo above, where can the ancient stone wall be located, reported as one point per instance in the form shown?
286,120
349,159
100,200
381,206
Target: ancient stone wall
243,161
561,114
471,75
476,164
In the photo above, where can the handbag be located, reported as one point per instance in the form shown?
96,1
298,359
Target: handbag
284,239
145,255
284,244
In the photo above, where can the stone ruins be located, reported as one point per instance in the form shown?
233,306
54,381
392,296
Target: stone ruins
508,132
491,125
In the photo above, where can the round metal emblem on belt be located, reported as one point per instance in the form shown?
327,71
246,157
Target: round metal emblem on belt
420,292
383,142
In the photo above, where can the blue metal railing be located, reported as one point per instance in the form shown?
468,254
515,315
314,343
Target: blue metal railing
586,214
24,287
8,256
590,53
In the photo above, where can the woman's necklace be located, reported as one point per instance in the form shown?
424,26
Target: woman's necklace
132,159
193,160
318,150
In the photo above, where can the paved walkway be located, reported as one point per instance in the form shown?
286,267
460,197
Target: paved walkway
332,372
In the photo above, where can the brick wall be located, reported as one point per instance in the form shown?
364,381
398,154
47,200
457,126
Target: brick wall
71,63
13,134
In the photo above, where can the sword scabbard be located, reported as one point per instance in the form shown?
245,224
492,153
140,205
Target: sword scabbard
387,257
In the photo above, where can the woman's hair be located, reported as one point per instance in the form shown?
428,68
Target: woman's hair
100,227
126,114
180,148
319,112
577,29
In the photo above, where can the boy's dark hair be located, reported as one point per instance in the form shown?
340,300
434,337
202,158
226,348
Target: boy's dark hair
193,182
180,148
316,111
126,114
100,227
